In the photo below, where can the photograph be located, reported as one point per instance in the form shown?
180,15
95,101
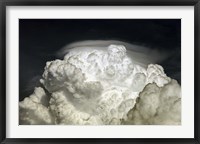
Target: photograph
100,71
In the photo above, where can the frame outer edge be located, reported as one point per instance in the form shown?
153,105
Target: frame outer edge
3,139
1,37
101,2
197,70
2,73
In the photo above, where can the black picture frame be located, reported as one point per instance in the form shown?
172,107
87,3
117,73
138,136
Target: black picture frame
4,3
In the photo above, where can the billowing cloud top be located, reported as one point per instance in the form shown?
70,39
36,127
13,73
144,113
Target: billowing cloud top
95,86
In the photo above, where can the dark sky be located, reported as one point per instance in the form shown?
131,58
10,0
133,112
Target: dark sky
40,39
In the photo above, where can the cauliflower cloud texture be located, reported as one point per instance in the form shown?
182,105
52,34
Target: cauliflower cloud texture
96,86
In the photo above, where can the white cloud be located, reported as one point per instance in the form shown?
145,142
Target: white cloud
93,86
157,105
34,110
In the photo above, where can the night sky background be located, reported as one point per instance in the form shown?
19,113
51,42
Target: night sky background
40,40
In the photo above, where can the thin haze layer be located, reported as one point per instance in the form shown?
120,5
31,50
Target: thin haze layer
141,55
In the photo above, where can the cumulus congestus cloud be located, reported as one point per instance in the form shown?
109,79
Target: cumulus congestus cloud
157,105
101,86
